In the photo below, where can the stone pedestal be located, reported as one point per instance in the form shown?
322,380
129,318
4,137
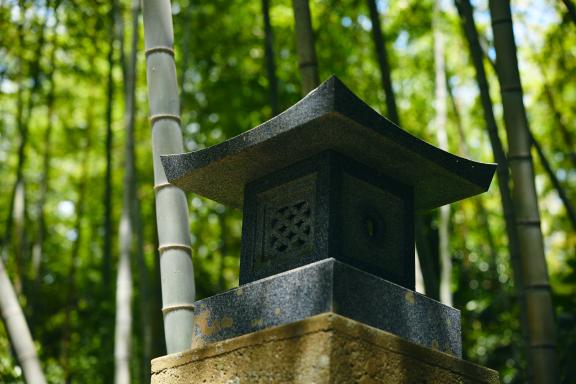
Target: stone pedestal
322,349
329,189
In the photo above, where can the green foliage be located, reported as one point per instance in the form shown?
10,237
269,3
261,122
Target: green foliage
220,62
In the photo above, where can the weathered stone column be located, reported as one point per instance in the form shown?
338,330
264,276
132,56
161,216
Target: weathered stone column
329,189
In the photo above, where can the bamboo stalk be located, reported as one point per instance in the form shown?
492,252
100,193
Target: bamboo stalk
10,310
270,64
383,63
542,356
143,274
483,221
20,203
18,330
503,177
107,245
123,329
16,213
16,207
71,288
177,275
427,254
465,10
425,265
305,43
145,297
44,178
440,121
38,247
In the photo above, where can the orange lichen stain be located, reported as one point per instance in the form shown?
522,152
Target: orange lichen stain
410,297
257,322
201,321
435,345
277,311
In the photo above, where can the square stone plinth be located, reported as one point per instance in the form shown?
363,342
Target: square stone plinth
322,349
327,286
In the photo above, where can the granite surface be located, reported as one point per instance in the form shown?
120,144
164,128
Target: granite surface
327,286
329,118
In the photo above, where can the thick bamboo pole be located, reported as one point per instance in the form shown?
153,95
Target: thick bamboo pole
305,43
177,274
18,330
542,356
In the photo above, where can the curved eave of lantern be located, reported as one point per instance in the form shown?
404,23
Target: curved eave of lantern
330,117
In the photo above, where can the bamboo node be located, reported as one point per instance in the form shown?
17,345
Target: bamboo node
159,49
12,311
537,286
158,187
502,20
27,355
164,116
549,345
174,307
167,247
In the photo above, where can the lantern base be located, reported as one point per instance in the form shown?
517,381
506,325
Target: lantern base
322,349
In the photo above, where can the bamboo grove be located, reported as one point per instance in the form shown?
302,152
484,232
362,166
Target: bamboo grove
80,193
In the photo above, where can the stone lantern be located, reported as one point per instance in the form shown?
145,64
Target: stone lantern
329,189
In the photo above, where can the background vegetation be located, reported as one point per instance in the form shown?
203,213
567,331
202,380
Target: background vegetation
62,105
